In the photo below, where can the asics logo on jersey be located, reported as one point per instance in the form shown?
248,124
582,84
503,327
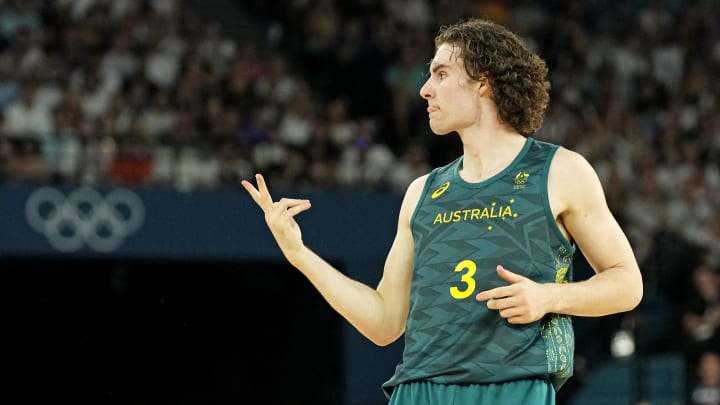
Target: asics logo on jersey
437,193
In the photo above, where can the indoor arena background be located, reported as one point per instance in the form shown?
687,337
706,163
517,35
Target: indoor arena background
134,269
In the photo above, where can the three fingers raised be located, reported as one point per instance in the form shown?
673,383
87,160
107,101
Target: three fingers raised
261,196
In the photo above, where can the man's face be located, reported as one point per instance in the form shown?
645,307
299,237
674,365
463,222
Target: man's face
451,95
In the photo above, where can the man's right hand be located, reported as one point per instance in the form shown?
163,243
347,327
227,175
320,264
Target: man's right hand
280,215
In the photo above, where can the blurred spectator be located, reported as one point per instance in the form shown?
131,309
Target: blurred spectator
298,120
61,146
277,85
645,209
296,171
269,155
411,13
26,117
119,63
94,94
163,61
234,164
131,165
412,164
341,128
213,49
159,119
701,315
404,78
19,17
706,387
365,162
196,168
9,86
709,239
26,163
322,22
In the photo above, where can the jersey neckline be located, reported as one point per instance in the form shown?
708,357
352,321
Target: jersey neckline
483,183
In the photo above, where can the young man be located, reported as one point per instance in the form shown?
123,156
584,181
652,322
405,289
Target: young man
478,278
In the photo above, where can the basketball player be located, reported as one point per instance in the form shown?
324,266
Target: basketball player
478,279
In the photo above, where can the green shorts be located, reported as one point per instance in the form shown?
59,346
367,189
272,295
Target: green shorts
520,392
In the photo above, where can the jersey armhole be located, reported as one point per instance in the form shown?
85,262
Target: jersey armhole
421,199
546,202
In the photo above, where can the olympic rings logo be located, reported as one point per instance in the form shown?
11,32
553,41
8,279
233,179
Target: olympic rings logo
85,217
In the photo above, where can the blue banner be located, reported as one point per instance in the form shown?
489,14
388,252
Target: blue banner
354,229
222,225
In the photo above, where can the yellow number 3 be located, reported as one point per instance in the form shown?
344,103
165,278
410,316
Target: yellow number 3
469,268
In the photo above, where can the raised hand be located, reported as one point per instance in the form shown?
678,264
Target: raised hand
280,215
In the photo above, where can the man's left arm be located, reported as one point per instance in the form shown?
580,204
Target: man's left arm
617,283
582,210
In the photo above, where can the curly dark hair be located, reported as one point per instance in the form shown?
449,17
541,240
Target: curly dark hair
517,75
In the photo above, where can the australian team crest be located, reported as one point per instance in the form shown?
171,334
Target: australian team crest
520,180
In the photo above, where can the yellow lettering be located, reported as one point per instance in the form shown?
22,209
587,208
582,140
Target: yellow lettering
492,213
474,214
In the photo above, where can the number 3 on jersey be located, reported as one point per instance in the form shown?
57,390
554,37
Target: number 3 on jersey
467,268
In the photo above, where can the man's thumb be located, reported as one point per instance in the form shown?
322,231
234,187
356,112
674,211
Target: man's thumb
508,275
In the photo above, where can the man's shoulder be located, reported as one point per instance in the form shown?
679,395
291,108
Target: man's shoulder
568,159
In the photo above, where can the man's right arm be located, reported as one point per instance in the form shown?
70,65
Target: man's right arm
378,313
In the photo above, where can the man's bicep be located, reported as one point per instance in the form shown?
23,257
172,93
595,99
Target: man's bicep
394,287
592,225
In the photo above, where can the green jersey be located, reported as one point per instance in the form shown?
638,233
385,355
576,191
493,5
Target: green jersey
461,232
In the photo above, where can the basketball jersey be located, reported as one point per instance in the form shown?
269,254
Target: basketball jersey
461,232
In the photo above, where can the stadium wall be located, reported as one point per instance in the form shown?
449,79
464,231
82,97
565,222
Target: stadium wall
354,229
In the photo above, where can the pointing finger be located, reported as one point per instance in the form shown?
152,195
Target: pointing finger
495,293
265,197
254,193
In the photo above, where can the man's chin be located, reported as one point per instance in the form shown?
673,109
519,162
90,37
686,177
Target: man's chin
440,132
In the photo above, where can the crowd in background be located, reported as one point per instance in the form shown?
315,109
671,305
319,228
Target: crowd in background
144,93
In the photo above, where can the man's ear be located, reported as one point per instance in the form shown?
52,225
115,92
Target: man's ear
483,86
